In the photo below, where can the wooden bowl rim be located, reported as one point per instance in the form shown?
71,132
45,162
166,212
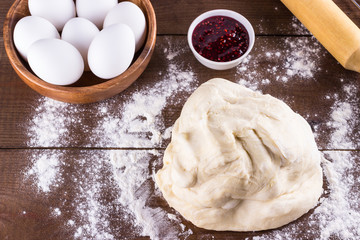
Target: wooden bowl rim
108,84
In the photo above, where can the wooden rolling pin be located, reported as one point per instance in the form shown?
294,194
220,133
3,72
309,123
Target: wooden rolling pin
333,29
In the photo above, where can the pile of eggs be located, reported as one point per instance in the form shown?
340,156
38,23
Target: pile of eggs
60,39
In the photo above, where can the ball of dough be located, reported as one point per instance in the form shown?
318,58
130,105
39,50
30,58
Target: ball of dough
239,160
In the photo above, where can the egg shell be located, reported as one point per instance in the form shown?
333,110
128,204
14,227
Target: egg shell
29,29
55,61
80,32
58,12
111,51
94,10
129,13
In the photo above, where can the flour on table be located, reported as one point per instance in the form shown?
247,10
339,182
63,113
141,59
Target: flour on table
48,127
299,27
46,170
339,214
345,117
141,123
97,174
299,59
123,176
131,173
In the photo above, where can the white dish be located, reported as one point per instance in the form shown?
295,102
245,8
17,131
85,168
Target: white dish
228,13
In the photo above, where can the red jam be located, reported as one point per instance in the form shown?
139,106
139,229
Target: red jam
220,39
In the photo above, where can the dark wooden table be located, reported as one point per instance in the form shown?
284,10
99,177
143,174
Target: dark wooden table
27,213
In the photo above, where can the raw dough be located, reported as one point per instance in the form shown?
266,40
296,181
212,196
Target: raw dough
239,160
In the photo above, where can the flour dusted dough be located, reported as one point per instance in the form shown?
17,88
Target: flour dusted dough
239,160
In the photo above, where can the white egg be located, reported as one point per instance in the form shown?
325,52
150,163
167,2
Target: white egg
111,51
80,32
55,61
30,29
58,12
94,10
130,14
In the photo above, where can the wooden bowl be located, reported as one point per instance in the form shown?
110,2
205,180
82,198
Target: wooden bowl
89,88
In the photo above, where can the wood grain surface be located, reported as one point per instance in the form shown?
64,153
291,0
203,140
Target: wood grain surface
27,214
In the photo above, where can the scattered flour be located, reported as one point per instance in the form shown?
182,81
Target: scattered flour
344,118
139,122
108,187
48,130
57,212
296,58
299,27
131,172
46,170
92,216
54,123
339,214
302,59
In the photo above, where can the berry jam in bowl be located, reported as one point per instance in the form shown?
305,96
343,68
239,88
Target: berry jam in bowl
220,39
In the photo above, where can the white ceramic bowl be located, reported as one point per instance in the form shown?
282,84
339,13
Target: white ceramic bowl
228,13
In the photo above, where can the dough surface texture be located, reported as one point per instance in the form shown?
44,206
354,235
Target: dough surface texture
240,160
